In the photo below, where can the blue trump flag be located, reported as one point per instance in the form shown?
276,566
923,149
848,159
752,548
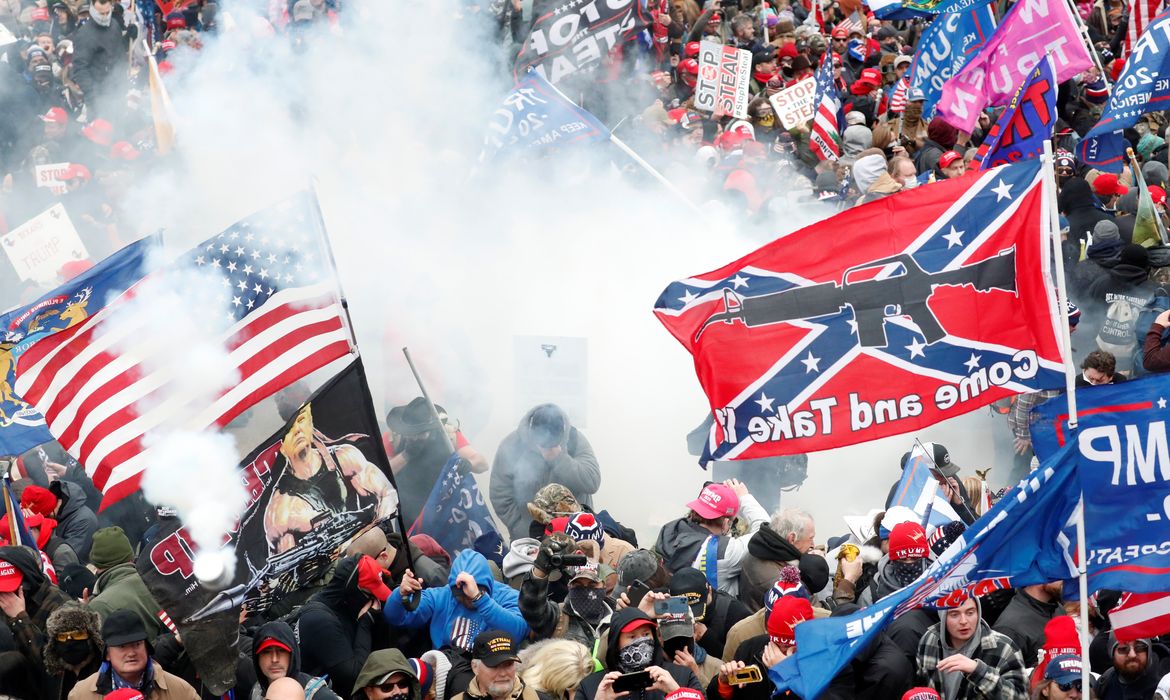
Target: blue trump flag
1124,466
1143,86
22,427
951,40
455,514
1019,542
1028,121
536,115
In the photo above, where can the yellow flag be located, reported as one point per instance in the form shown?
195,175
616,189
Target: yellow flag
160,107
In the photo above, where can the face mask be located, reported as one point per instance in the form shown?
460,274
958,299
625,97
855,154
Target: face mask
589,603
636,656
904,572
768,120
910,184
102,21
75,651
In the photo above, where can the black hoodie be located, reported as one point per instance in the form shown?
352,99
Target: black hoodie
681,674
281,632
41,598
336,640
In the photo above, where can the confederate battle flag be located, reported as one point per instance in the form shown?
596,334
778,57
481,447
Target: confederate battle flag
881,320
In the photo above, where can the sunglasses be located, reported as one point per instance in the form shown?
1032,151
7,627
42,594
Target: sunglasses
78,636
1135,649
391,686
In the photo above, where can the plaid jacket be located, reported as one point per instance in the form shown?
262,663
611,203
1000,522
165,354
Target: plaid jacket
29,629
999,675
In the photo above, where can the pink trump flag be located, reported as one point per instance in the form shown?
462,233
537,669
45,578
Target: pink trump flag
1032,29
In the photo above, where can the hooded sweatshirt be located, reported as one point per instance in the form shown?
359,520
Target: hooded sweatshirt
451,624
337,641
280,631
519,471
381,664
41,598
682,543
682,675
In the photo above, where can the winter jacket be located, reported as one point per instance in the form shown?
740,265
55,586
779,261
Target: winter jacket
170,653
76,523
1155,356
452,624
682,675
99,54
879,671
767,553
750,651
1110,686
926,159
520,691
998,676
1078,204
160,685
337,639
547,619
41,598
1023,621
315,688
723,613
121,588
382,663
519,471
683,543
751,626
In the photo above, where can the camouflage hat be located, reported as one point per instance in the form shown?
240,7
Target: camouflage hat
551,501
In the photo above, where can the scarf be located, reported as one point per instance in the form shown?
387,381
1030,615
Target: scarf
952,680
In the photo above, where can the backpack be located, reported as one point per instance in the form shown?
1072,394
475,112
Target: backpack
1118,334
1158,303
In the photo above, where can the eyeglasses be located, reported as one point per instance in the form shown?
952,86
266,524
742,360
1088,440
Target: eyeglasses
390,686
75,636
1065,687
1135,649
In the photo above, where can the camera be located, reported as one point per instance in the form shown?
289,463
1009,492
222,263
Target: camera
562,560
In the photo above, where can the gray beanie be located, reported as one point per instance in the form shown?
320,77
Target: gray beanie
1155,173
1105,231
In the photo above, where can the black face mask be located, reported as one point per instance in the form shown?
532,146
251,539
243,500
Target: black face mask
75,651
904,572
589,603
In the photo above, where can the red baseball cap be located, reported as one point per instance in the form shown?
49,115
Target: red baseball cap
715,501
840,33
872,76
269,643
921,693
10,577
1107,185
947,159
688,65
691,49
636,623
99,131
74,171
124,694
1157,194
40,14
123,150
56,115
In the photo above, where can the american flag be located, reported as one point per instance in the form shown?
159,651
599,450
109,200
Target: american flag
103,389
853,23
1141,616
898,98
1141,12
825,139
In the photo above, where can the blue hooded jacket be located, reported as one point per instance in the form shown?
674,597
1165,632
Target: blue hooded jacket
452,624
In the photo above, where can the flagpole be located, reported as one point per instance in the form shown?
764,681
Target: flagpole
324,240
1070,393
9,504
639,160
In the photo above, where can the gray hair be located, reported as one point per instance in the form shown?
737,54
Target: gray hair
791,521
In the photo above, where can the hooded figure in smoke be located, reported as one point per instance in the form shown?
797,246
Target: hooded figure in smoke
544,449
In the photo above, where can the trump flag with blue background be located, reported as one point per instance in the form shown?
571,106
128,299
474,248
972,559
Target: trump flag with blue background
884,319
1019,542
1123,459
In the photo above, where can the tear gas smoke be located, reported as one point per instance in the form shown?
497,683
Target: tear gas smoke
389,115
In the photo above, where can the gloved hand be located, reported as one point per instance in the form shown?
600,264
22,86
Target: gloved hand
370,578
552,548
462,466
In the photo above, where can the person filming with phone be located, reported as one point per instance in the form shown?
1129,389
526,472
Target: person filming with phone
635,664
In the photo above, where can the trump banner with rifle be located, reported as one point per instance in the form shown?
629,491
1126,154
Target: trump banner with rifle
1124,466
881,320
312,486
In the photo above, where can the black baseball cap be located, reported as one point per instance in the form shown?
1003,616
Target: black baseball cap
691,584
493,648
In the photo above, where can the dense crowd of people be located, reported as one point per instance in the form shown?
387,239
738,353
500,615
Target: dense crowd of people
575,607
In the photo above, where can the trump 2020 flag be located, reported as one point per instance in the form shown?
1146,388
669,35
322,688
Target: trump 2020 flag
455,514
1019,542
881,320
944,48
536,115
1143,86
1124,467
1031,29
1028,121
